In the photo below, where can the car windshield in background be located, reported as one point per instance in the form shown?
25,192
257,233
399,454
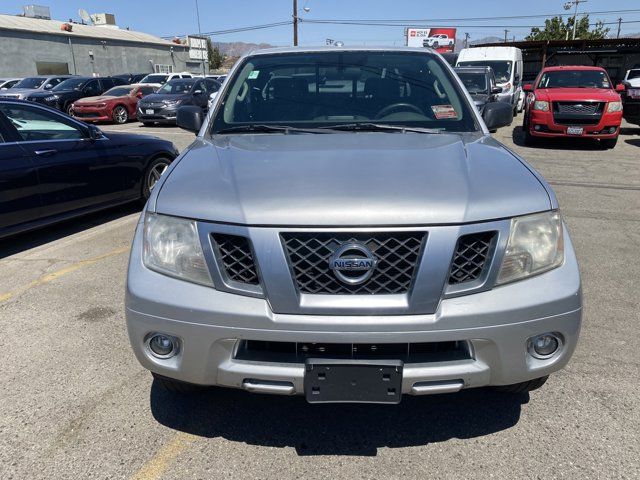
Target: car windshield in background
30,82
154,79
324,89
501,68
474,82
574,79
118,91
70,84
633,74
176,87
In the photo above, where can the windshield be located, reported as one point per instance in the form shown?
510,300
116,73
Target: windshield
118,91
501,68
176,87
321,89
30,82
70,84
154,79
633,74
574,79
474,82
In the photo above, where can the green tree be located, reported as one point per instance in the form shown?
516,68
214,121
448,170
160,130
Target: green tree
557,29
216,59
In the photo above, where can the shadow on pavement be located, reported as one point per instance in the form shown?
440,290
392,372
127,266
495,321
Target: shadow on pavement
41,236
562,143
633,141
335,429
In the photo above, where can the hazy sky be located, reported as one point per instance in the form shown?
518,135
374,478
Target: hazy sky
171,17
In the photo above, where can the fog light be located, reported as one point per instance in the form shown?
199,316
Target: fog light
612,130
162,346
545,345
536,128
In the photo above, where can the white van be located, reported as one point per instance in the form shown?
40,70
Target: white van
506,63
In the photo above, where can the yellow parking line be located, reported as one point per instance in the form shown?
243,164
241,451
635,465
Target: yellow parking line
59,273
163,458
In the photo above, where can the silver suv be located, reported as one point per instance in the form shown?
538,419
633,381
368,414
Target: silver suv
345,228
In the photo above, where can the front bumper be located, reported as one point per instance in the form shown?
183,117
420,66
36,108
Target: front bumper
91,114
542,124
159,115
495,324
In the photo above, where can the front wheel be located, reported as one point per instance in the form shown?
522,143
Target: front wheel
69,109
609,143
153,173
120,115
523,387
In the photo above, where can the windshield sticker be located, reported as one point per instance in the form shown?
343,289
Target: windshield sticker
254,74
444,111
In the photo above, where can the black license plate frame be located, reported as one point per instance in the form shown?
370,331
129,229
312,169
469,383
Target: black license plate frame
353,381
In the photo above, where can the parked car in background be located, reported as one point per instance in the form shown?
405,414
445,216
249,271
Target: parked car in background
53,167
507,66
117,105
573,101
161,107
631,97
131,78
480,82
438,40
30,85
159,79
64,94
7,83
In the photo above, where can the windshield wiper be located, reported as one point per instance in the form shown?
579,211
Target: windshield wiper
269,129
380,127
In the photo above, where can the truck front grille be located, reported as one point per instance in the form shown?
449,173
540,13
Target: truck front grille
292,352
470,257
397,254
235,257
577,113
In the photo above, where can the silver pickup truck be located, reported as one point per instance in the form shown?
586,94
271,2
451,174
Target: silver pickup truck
344,227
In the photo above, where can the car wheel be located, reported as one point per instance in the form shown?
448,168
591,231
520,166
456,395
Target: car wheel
609,143
153,173
435,45
69,109
529,139
120,115
147,124
523,387
176,386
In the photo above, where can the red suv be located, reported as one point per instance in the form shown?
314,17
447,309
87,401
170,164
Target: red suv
573,101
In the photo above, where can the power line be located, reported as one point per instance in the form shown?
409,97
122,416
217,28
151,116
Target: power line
239,29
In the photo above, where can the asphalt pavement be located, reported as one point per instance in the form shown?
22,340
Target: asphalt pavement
76,404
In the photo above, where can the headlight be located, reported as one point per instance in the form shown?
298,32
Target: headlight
50,98
541,105
172,103
614,107
172,247
101,105
535,245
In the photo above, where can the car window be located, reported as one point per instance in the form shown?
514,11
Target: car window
501,68
92,88
30,82
633,74
211,85
33,124
316,89
176,87
574,79
474,82
119,91
147,90
199,85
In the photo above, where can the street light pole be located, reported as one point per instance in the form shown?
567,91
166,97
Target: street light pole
200,35
295,23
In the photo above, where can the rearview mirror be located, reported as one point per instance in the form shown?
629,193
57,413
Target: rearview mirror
620,88
528,87
497,114
190,118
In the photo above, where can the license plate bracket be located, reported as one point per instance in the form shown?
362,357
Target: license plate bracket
575,130
353,381
149,111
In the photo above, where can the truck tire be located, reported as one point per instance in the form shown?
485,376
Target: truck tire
523,387
175,386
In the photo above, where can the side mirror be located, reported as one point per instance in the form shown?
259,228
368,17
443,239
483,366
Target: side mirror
95,133
620,88
497,114
496,90
528,87
190,118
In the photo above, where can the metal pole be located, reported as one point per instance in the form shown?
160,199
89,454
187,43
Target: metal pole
73,57
466,39
619,26
575,16
295,23
200,35
505,35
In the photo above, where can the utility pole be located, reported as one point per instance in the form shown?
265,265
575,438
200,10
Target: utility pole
466,39
295,23
506,32
575,15
619,26
204,72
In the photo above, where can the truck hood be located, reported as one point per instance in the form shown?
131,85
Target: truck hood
350,179
577,95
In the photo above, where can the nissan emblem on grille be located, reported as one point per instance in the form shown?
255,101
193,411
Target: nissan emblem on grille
353,263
